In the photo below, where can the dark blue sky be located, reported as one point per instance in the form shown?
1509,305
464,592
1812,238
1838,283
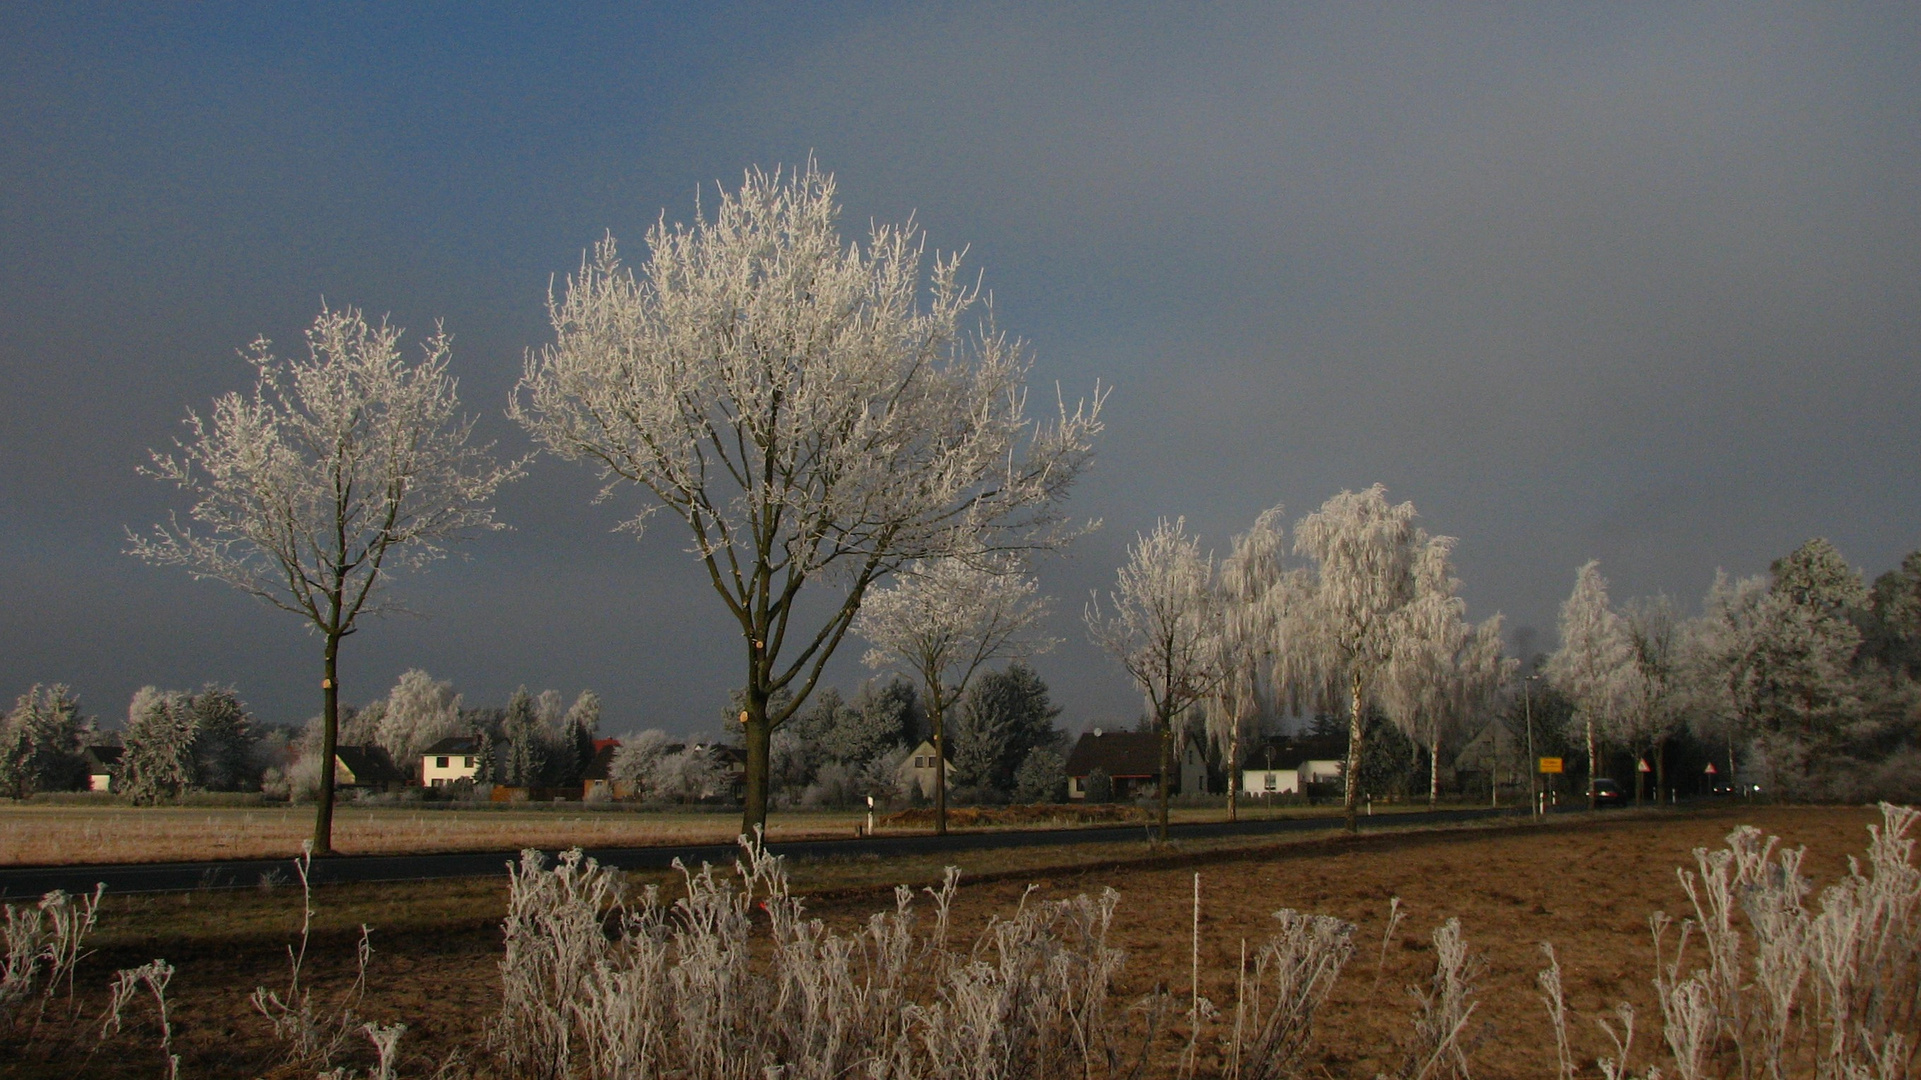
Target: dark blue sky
1622,282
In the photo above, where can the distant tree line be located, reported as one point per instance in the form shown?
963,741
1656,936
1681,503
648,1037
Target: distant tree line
840,750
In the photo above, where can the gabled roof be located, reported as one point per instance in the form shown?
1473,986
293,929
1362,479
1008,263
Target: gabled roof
454,744
1291,752
1117,753
104,757
369,764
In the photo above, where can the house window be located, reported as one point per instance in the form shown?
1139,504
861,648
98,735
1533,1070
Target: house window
1268,782
466,763
920,761
440,763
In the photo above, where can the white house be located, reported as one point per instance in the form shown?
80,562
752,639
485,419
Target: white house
103,763
450,759
1287,766
919,768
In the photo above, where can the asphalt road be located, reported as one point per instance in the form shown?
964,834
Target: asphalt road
28,882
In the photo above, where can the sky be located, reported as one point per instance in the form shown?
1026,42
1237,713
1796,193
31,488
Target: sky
1632,282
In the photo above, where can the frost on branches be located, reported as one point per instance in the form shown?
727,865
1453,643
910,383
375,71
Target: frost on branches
1594,666
1159,624
810,409
944,618
337,469
1365,553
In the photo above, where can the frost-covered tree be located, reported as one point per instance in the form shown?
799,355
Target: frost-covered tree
338,469
942,619
885,714
1364,551
1042,776
1594,666
1719,650
522,761
815,412
157,760
1159,624
1253,639
1893,636
578,729
420,711
633,765
1423,677
687,775
41,742
1653,706
1799,683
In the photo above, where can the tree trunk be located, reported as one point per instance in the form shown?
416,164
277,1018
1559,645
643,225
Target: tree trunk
323,822
1354,736
939,718
1167,748
1661,771
1434,769
1592,772
759,737
1233,773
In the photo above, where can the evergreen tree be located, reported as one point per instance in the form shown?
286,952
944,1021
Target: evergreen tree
1894,620
1005,716
1800,686
42,741
158,760
523,761
579,727
1042,776
223,739
883,716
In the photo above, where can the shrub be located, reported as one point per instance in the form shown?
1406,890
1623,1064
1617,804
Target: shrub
1099,787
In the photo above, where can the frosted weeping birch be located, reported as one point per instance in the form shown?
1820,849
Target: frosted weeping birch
942,619
1423,676
1655,639
1159,625
1250,640
813,411
1364,550
1594,666
338,469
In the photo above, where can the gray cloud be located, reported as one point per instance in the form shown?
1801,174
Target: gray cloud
1631,283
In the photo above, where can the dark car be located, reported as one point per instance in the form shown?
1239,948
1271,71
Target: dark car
1608,793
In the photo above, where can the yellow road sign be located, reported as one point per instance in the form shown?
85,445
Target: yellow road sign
1550,765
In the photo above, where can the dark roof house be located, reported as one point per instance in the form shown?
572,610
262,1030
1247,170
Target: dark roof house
454,744
365,767
1132,760
1132,755
1292,751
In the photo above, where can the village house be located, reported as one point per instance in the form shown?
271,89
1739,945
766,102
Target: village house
596,780
1292,765
367,767
103,764
1132,761
917,770
456,757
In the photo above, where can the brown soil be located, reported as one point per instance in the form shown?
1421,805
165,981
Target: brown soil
1586,886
